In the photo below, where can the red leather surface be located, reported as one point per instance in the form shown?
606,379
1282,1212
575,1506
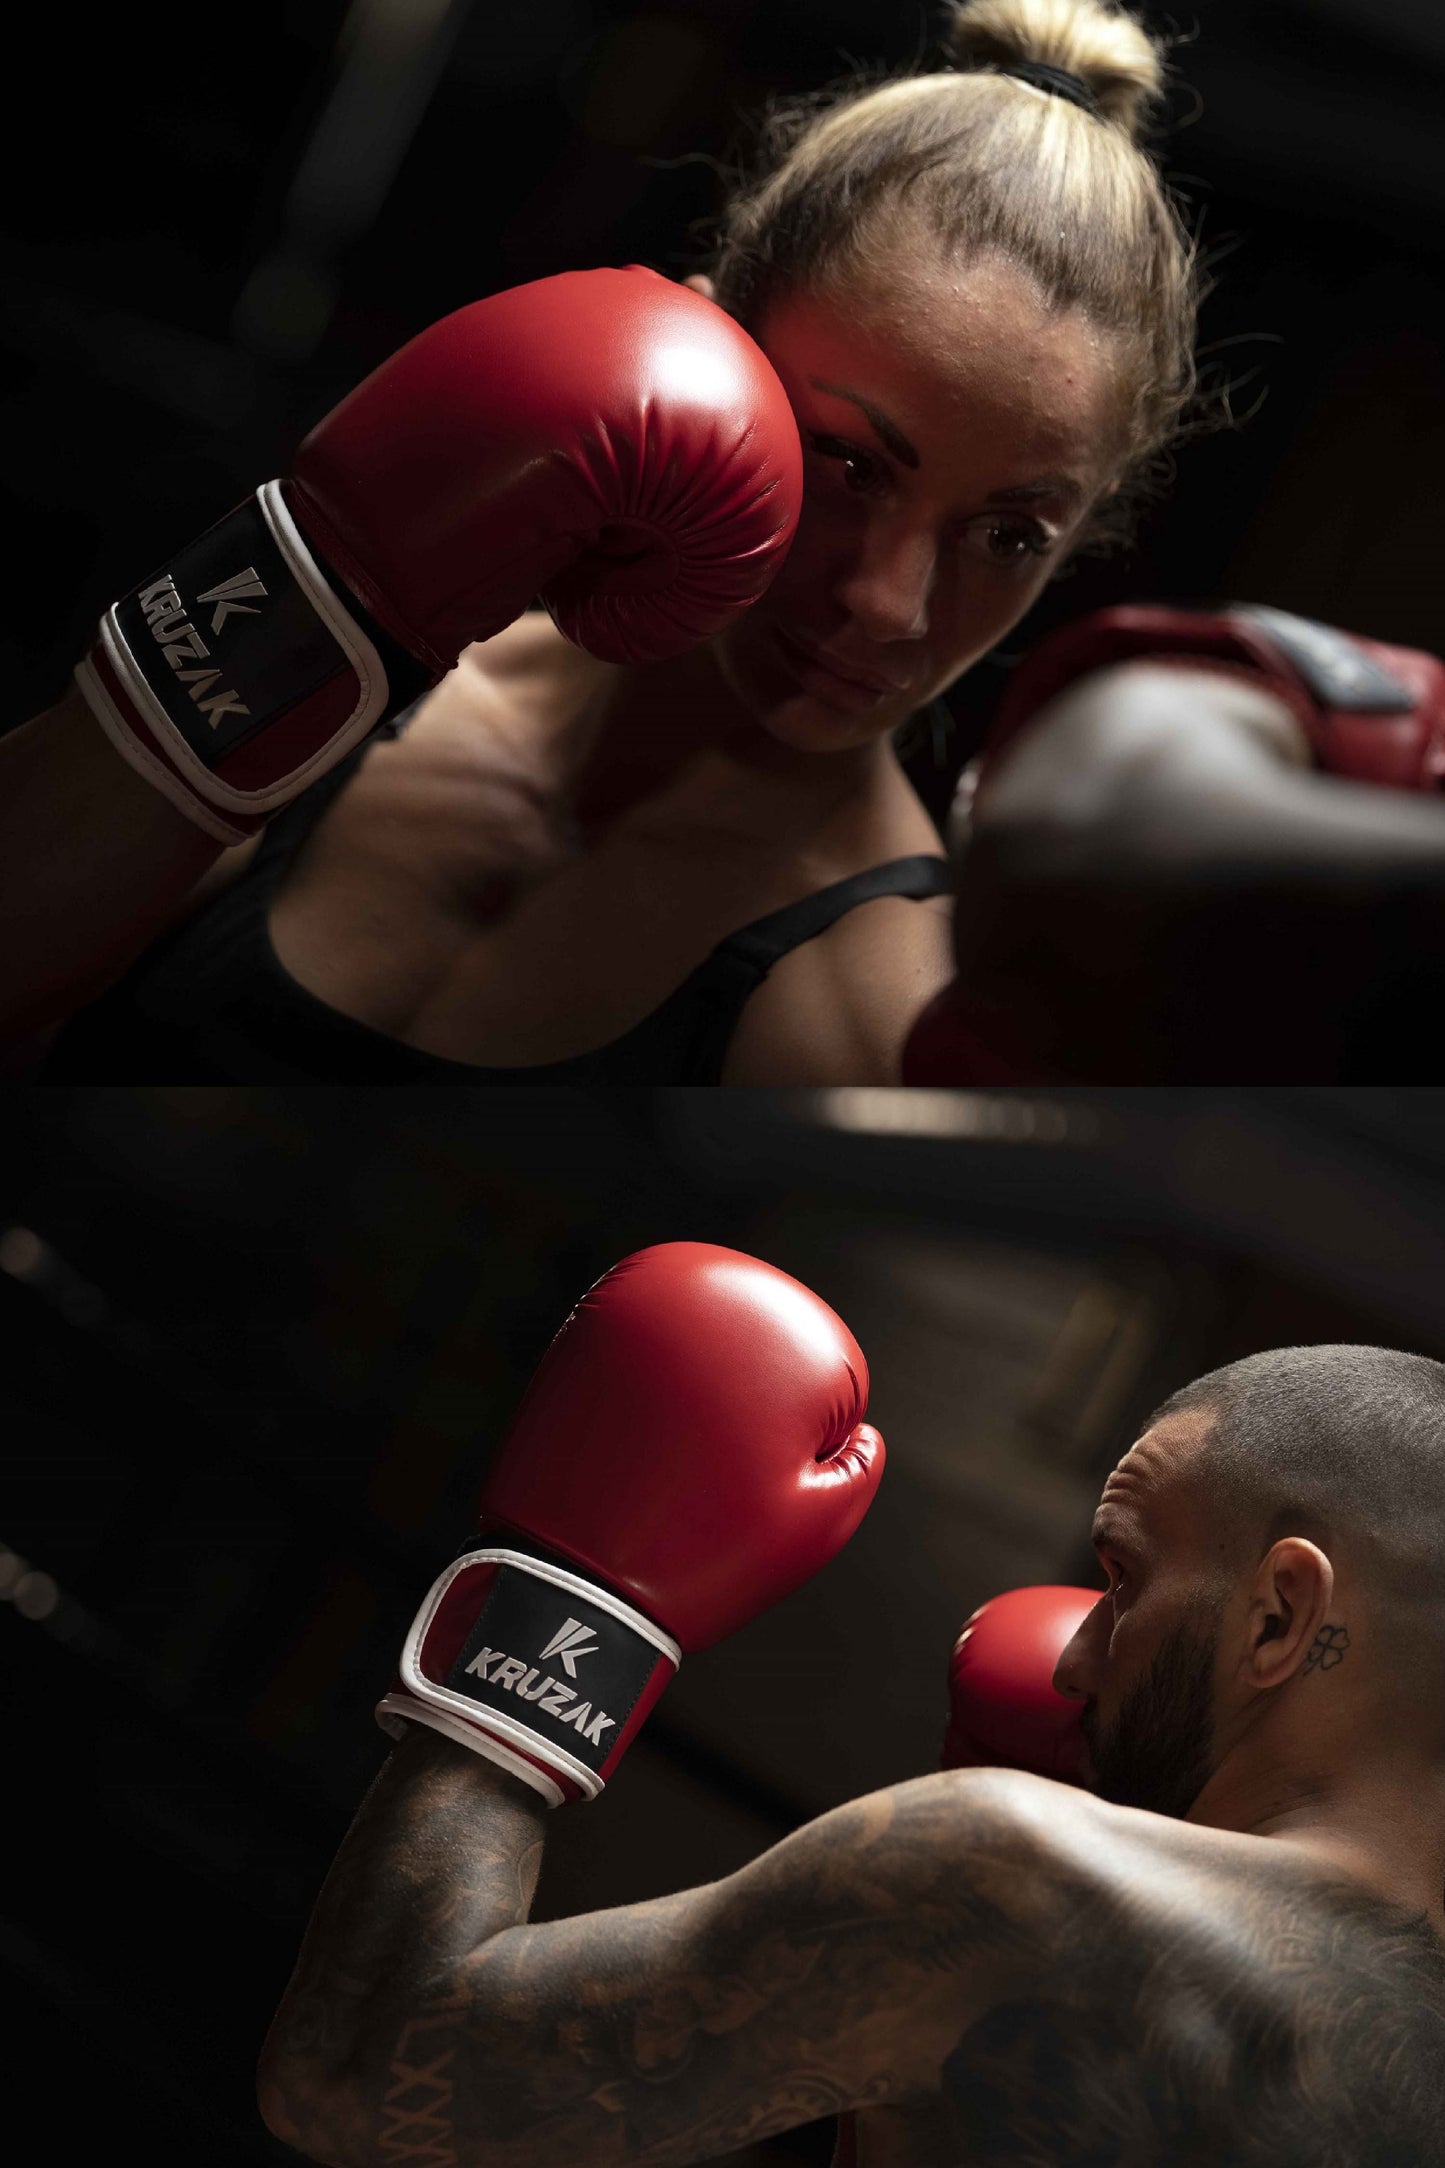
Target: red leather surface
607,440
693,1438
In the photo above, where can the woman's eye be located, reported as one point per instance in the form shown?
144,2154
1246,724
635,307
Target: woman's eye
1022,541
1006,544
864,474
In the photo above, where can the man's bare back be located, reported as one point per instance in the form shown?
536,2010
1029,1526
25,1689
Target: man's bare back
988,1966
1193,1996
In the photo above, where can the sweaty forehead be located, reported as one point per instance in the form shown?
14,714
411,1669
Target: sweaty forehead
940,346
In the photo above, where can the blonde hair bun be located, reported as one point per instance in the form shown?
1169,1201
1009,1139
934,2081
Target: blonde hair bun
966,162
1104,46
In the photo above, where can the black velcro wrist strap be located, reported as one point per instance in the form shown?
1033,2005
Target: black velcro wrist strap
1336,669
241,625
549,1654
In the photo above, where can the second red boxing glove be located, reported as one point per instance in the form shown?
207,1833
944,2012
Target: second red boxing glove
1370,711
1004,1709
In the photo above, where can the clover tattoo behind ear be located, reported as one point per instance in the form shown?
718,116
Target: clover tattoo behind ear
1329,1647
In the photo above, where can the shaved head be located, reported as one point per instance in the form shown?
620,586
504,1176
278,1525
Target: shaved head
1343,1445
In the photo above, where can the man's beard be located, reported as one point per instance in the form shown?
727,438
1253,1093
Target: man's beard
1158,1752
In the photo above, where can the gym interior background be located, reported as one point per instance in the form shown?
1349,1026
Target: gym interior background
257,1346
216,223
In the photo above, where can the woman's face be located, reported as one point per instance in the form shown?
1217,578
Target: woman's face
955,437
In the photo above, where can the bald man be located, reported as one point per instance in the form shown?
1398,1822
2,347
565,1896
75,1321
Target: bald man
1232,1950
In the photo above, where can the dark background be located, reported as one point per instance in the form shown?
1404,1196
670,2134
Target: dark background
256,1347
215,222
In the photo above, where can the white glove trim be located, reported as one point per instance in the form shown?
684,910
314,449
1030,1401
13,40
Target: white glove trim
484,1720
393,1707
373,690
143,760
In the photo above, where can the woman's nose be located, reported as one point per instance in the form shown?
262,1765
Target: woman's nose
889,588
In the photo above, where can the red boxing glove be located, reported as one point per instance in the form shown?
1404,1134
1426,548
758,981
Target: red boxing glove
1004,1711
690,1450
605,440
1370,712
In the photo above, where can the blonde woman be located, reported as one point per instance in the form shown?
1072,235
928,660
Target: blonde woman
980,300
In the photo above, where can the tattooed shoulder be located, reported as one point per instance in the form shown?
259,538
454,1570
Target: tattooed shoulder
1016,1973
1204,1997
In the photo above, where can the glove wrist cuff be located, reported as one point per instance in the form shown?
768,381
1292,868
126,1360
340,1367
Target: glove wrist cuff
1370,712
520,1651
243,671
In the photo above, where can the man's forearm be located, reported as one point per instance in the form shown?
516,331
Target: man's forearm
442,1855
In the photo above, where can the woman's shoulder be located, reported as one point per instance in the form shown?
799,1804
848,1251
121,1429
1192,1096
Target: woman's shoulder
837,1009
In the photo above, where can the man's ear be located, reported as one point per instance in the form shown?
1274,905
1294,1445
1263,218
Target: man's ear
702,284
1291,1600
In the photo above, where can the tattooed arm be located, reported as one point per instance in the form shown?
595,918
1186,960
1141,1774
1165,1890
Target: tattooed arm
442,1854
428,2022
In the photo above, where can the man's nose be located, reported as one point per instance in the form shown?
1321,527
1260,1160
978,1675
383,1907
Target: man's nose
1076,1672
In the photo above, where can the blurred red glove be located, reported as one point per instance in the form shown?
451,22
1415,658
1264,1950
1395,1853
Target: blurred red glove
1138,984
1371,712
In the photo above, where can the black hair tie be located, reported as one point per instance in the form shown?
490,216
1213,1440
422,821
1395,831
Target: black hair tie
1057,80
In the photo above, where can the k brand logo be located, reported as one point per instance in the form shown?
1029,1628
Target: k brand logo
228,597
551,1696
572,1640
181,644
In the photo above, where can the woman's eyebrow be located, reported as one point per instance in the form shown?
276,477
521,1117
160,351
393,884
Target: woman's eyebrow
1048,485
891,437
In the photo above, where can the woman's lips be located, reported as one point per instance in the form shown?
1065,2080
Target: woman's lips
829,678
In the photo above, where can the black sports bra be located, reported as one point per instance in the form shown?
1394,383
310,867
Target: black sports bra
210,1002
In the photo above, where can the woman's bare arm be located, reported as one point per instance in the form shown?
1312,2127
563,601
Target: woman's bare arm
93,864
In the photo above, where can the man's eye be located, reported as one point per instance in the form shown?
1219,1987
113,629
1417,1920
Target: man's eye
864,473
